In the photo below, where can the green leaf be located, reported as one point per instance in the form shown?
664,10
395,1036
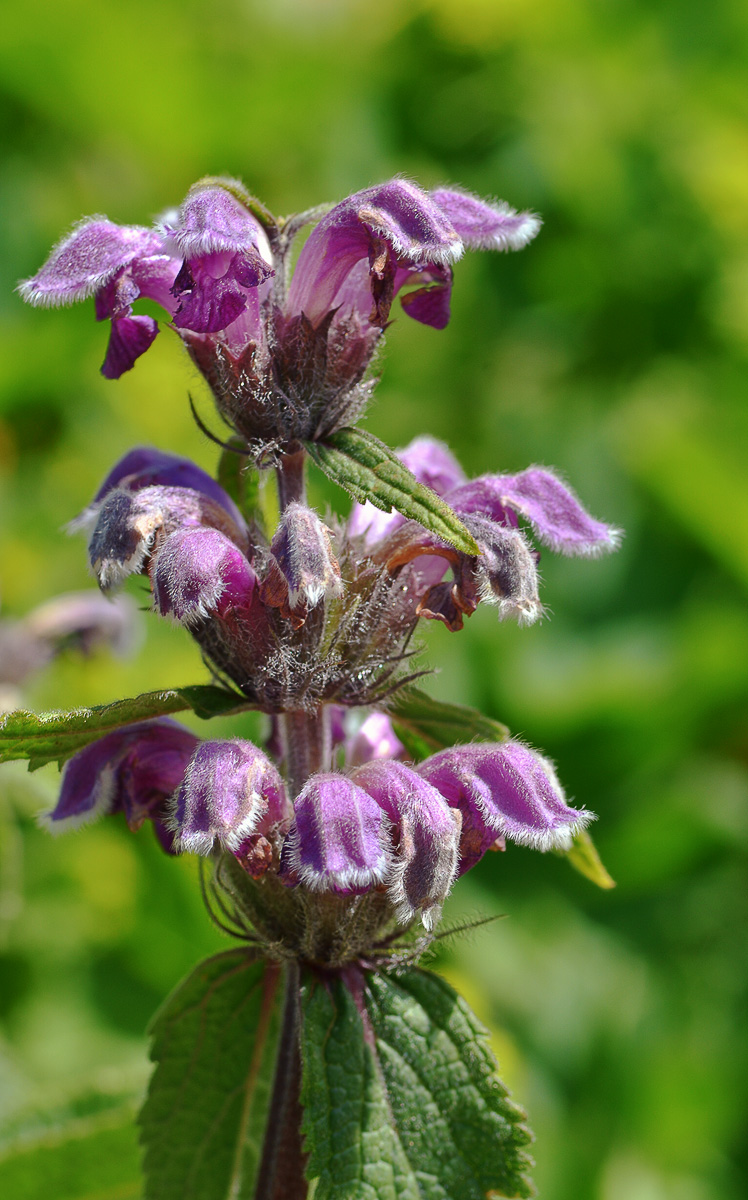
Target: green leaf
401,1096
584,858
91,1157
54,736
369,470
425,726
214,1043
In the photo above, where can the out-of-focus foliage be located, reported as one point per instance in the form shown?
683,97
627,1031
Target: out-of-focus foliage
614,348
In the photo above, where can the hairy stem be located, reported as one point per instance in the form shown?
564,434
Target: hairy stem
305,736
290,474
307,745
281,1173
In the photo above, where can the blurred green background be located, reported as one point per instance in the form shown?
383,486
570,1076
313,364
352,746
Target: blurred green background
614,348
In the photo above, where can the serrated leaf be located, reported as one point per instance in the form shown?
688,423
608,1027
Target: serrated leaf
583,857
401,1096
425,725
94,1156
214,1042
369,470
354,1149
55,736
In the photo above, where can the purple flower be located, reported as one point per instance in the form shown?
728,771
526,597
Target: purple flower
144,466
231,791
374,243
226,261
116,264
302,568
550,506
376,739
145,497
281,365
131,526
505,572
339,839
207,265
200,571
132,770
424,862
503,790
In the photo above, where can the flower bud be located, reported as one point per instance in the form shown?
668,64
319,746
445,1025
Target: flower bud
197,572
231,791
428,833
132,770
339,839
303,568
503,790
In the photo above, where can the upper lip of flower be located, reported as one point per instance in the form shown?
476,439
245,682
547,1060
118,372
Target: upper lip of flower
210,262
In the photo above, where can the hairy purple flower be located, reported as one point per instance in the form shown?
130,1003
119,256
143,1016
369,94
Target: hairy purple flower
483,226
226,260
116,264
503,790
200,571
339,840
132,770
374,243
505,572
302,568
282,364
144,466
424,862
554,512
231,790
130,526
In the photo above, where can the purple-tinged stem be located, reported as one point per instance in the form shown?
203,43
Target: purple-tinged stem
307,746
281,1173
290,474
305,737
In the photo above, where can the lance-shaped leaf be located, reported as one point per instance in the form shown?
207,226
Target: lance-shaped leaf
369,470
401,1096
214,1043
425,725
583,857
55,736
